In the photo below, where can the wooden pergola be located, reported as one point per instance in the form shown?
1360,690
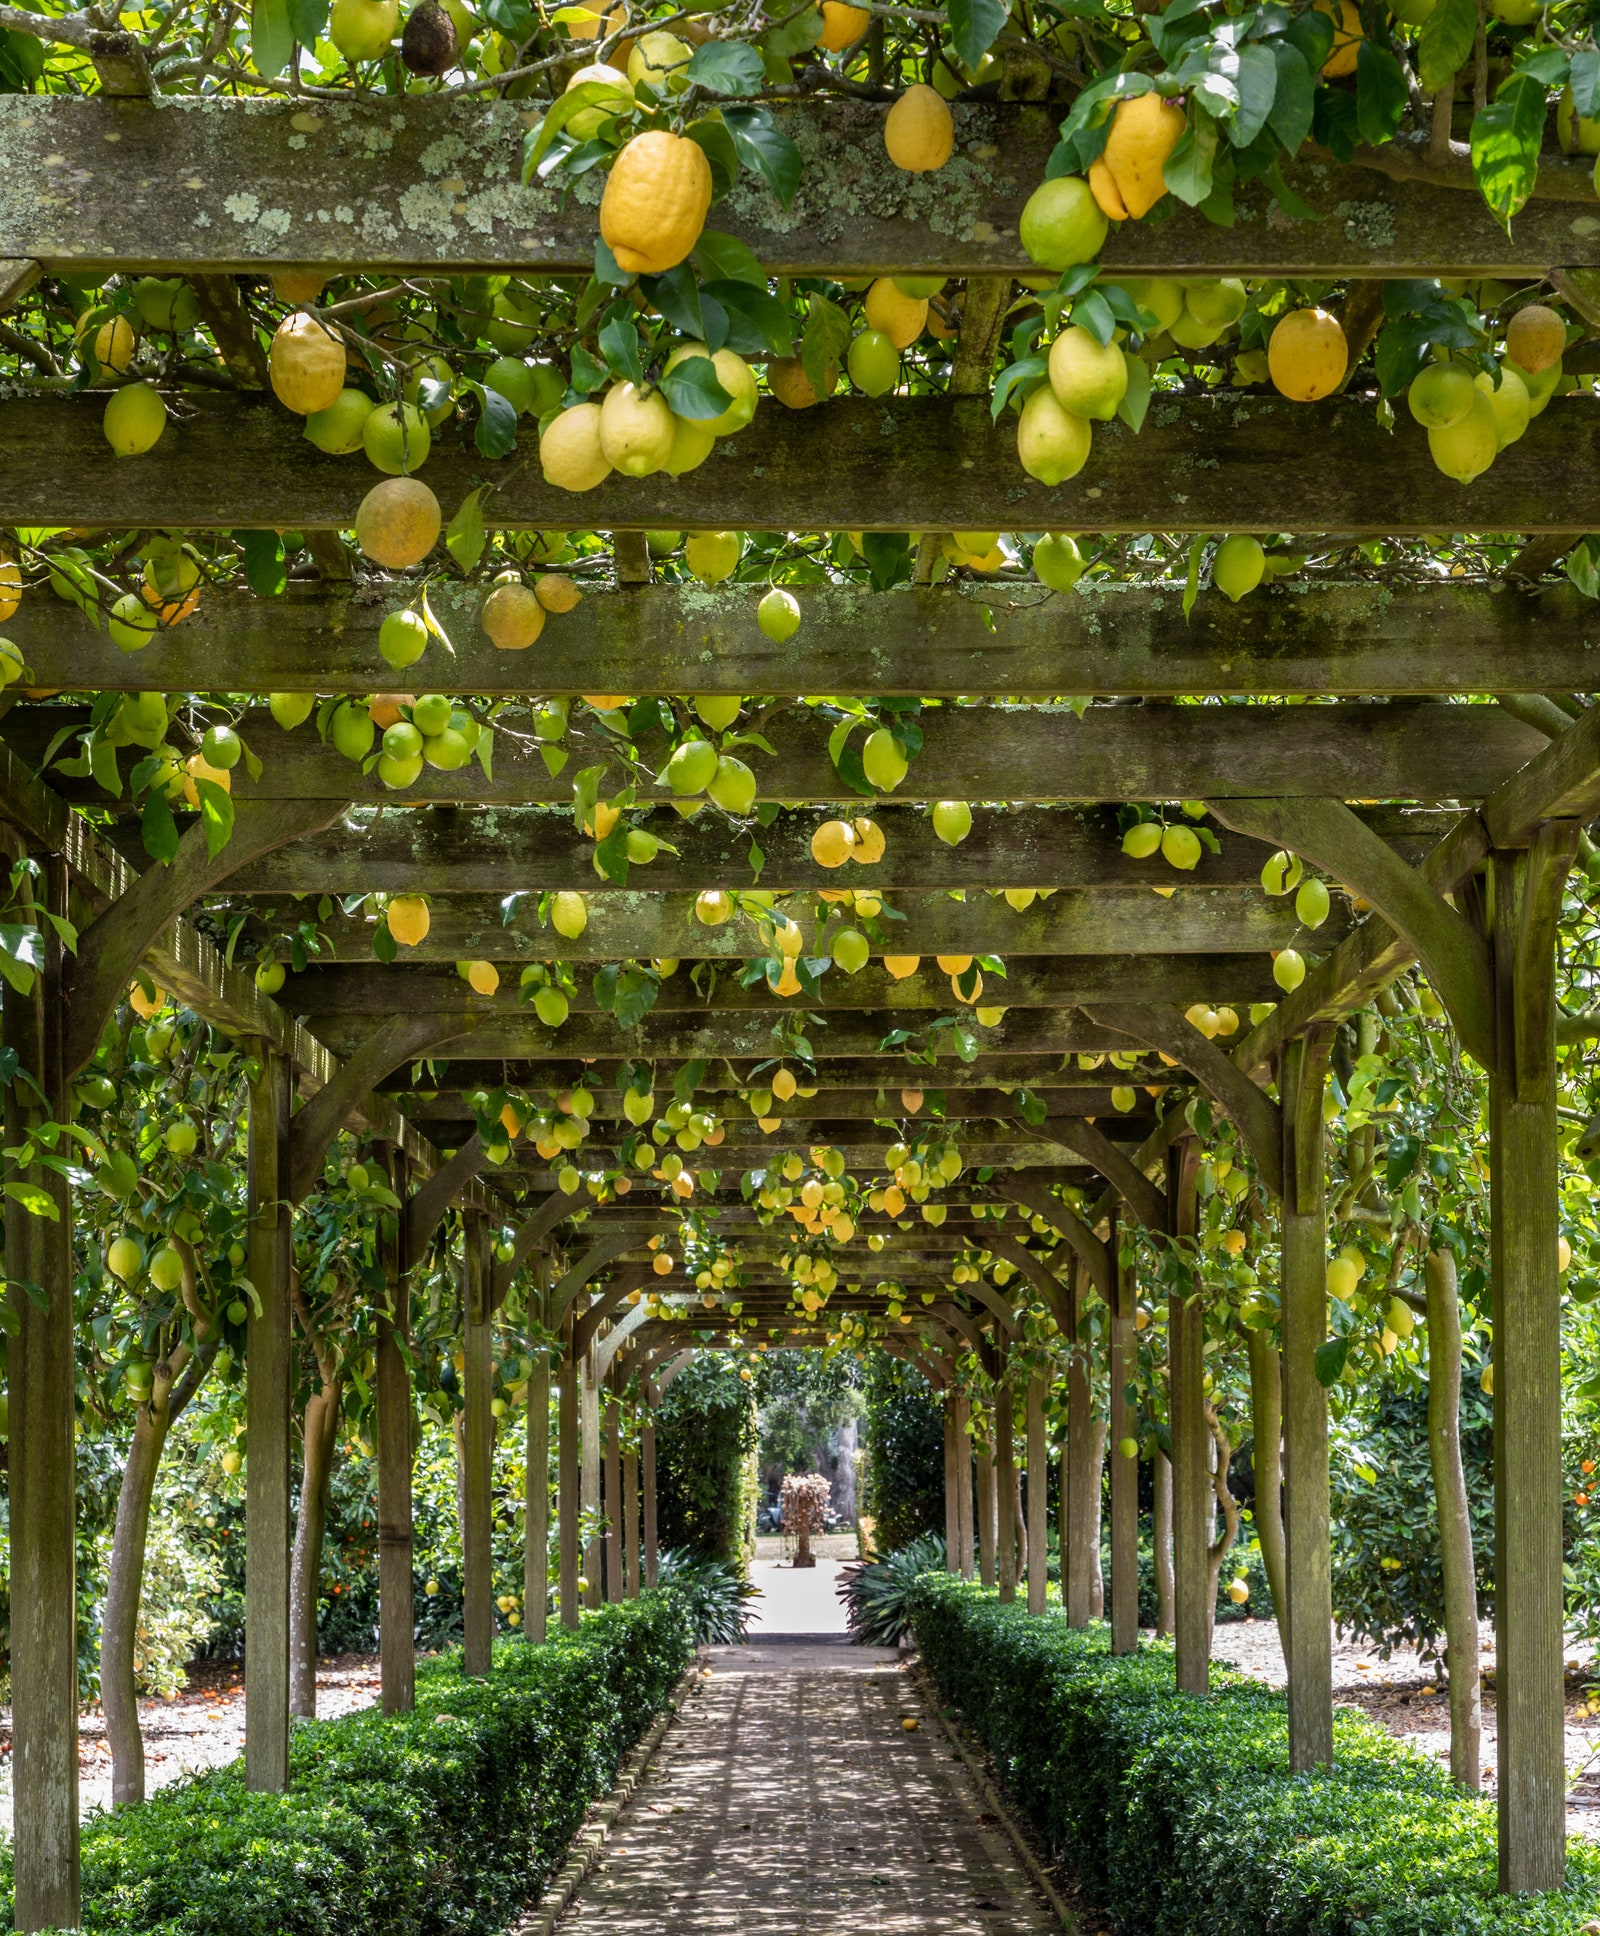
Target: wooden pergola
1452,826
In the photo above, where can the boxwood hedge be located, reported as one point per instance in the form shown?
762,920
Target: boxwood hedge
1180,1816
436,1823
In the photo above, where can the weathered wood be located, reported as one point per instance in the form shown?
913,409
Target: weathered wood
1203,464
952,1537
1525,903
1401,750
430,185
1121,1427
630,1522
223,312
566,1290
477,1497
1308,1625
1561,783
536,1499
269,1360
589,1428
427,1204
1038,1467
1080,1555
568,1477
1145,1202
612,1481
1191,1477
41,1384
17,276
395,1433
1364,637
647,1483
1005,1490
446,1112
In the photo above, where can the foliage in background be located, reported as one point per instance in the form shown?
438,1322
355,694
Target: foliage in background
718,1597
705,1448
877,1593
903,1417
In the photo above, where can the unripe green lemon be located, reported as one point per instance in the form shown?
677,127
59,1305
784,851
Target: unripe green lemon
403,638
1052,444
1062,224
551,1006
181,1137
1057,561
778,615
1288,970
1510,403
1311,904
1129,1448
132,623
397,774
952,821
291,709
718,710
1217,302
124,1257
270,977
851,950
402,741
396,438
1142,839
692,767
337,430
642,846
1123,1098
449,751
352,731
883,761
134,419
1161,296
1180,847
166,1268
712,907
220,746
1466,449
1441,395
1239,566
432,713
1342,1278
1281,872
569,914
1089,377
713,555
873,363
733,786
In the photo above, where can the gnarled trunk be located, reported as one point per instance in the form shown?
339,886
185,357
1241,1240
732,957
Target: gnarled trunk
319,1438
1266,1424
1455,1520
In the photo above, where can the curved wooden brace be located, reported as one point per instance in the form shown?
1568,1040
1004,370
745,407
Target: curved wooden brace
429,1201
1035,1269
996,1305
1255,1114
111,947
1538,911
556,1208
611,1297
960,1322
1142,1197
313,1127
1098,1258
608,1346
677,1364
1327,833
589,1265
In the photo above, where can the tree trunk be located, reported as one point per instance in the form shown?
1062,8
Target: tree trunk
1455,1523
986,1526
1161,1539
124,1587
318,1438
1219,1548
1097,1576
1266,1424
844,1477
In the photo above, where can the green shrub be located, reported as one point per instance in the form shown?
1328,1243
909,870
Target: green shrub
718,1598
436,1823
903,1434
877,1593
705,1451
1180,1816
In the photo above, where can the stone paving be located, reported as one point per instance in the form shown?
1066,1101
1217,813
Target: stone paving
788,1800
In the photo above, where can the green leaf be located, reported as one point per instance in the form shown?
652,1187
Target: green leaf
1584,80
692,390
308,20
1135,399
37,1203
636,992
1023,374
823,342
619,345
1292,100
724,258
216,815
1505,147
586,94
1328,1360
974,27
384,945
1444,45
496,432
158,828
1191,582
1380,93
1095,314
271,37
794,35
756,321
103,765
1188,168
1257,82
465,536
765,150
729,67
265,570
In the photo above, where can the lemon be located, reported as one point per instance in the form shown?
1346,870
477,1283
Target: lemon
1308,355
733,786
1535,338
396,438
114,344
511,378
1312,903
919,131
270,977
635,430
1348,35
1089,378
692,444
1142,839
656,200
291,709
1144,132
1510,403
778,615
131,624
883,761
570,451
657,60
512,616
873,363
851,951
1466,449
363,29
569,914
124,1258
1057,561
1061,225
1162,296
901,967
398,523
900,317
306,365
1288,970
409,920
842,25
1541,385
1239,565
952,821
134,419
1215,302
1180,847
1123,1098
1441,395
737,379
431,369
718,710
832,843
712,907
692,767
713,556
617,97
1052,444
338,429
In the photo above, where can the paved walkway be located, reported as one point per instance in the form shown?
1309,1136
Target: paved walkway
787,1800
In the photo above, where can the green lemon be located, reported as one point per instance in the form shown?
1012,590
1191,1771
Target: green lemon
1441,395
1057,561
952,821
851,950
692,767
352,731
551,1007
337,430
396,438
270,977
778,615
291,709
1062,224
431,713
873,363
733,786
1311,904
1465,450
132,623
1142,839
883,760
1239,566
1288,970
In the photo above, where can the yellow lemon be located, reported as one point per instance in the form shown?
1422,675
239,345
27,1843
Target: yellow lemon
655,203
571,454
1307,355
901,318
635,430
1052,444
306,364
408,919
1144,131
920,130
842,25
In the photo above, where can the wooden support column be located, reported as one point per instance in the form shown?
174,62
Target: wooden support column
396,1442
1191,1444
569,1504
268,1353
630,1522
477,1492
1005,1488
1524,902
536,1501
964,1500
647,1475
613,1494
1038,1495
1124,1471
42,1381
1078,1555
952,1534
589,1424
1308,1621
986,1503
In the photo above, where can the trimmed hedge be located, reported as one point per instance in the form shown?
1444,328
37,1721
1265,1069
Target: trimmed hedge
1180,1816
437,1823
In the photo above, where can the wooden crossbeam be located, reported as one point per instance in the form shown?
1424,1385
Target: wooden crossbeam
1400,750
1213,463
1005,637
960,1105
832,1072
411,183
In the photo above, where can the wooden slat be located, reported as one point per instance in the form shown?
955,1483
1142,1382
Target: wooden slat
1397,751
961,1105
1215,463
1301,636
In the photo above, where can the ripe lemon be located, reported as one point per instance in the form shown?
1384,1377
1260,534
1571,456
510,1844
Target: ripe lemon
788,382
1060,225
655,203
833,843
306,364
1348,35
409,919
1510,403
569,914
1441,395
396,438
1144,132
919,131
512,616
556,592
1103,187
868,851
736,377
10,587
901,318
873,363
570,452
692,444
635,430
712,907
842,25
114,343
901,967
952,821
398,523
482,977
338,429
134,420
883,760
1052,444
1089,378
1307,356
297,285
1239,566
713,556
1465,450
1535,338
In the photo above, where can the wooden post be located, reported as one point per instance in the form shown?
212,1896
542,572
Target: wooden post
1308,1623
986,1513
589,1399
396,1440
613,1497
536,1500
647,1473
1038,1495
1161,1541
964,1501
42,1381
952,1533
477,1555
1124,1471
630,1523
569,1503
1524,903
1078,1557
1005,1488
1191,1444
268,1353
